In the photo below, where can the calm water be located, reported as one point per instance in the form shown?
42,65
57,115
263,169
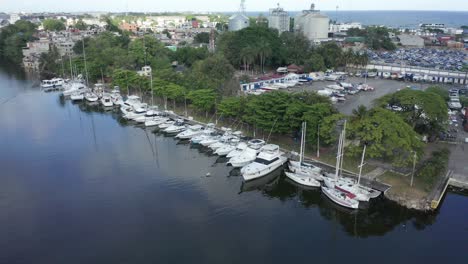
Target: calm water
407,19
78,186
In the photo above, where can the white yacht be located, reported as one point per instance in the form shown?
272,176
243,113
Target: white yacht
210,140
138,110
129,103
247,156
208,133
149,115
238,150
77,96
344,199
116,97
166,124
191,132
228,147
53,83
269,159
223,141
256,144
106,101
91,97
74,87
156,121
177,127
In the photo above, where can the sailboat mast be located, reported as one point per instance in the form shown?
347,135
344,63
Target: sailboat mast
342,148
362,164
302,144
151,87
86,68
71,67
338,156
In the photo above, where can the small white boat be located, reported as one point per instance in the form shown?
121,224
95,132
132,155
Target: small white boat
106,101
138,110
191,132
245,158
77,96
227,147
177,127
91,97
238,150
210,140
256,144
269,159
149,115
131,102
207,133
303,180
156,121
166,124
223,141
341,198
74,87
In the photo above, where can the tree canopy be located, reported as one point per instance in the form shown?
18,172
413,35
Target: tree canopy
426,112
13,38
53,25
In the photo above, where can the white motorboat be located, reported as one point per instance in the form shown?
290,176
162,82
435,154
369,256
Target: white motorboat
303,180
344,199
91,97
222,141
269,159
248,156
191,132
256,144
74,87
129,103
177,127
301,170
227,147
77,96
166,124
116,97
149,115
156,121
138,110
207,133
238,150
106,101
210,140
53,83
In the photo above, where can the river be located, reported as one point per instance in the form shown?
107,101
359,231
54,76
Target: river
80,186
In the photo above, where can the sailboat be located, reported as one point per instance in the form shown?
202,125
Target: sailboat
307,175
348,185
337,195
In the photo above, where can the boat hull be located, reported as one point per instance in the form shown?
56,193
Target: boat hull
345,202
249,174
303,180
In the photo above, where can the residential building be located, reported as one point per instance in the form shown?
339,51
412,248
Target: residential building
238,22
279,19
312,24
14,17
128,27
344,27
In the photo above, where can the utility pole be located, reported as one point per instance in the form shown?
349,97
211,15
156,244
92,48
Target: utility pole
414,167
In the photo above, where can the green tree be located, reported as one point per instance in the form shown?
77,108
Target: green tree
426,112
443,93
296,48
81,25
203,99
315,63
203,37
387,136
13,39
231,106
53,25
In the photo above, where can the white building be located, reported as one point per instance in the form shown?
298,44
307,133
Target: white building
238,22
279,19
14,17
312,24
344,27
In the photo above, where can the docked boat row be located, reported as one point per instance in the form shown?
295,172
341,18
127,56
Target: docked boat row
254,157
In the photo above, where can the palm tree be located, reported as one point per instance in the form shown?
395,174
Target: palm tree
360,113
264,50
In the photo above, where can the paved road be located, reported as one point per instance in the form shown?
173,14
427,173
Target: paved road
458,162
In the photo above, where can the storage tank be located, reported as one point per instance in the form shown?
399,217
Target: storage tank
238,22
313,24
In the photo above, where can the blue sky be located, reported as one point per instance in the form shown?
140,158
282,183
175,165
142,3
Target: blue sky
224,5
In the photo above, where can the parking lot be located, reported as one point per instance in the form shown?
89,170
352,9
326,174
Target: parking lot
382,87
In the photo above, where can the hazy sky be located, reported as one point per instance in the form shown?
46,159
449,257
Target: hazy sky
224,5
